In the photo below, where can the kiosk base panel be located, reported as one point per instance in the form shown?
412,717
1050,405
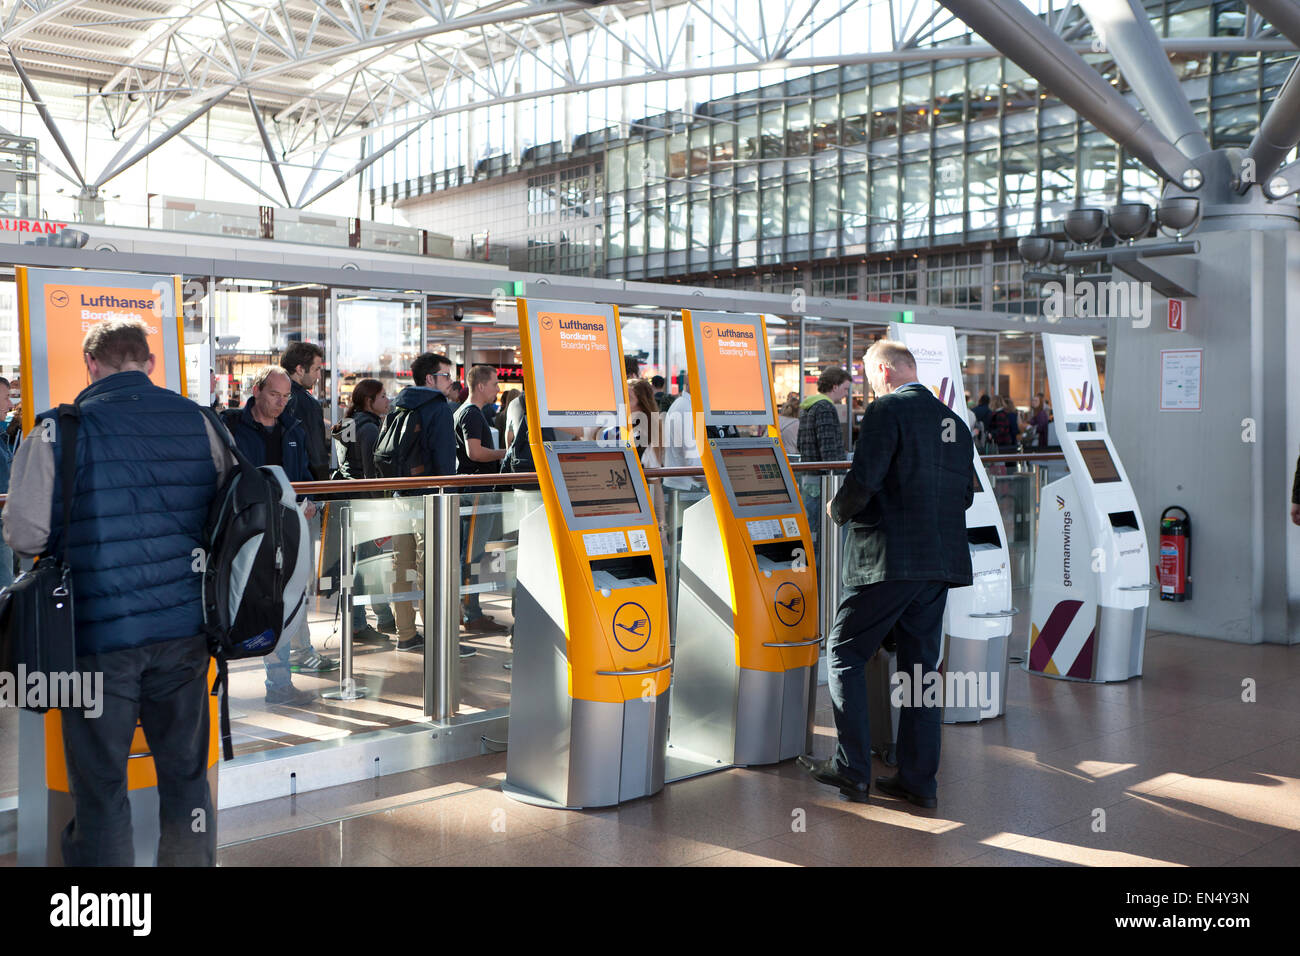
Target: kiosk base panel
987,660
565,752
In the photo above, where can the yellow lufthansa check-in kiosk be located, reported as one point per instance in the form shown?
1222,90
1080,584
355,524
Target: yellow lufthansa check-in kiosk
589,696
747,625
57,307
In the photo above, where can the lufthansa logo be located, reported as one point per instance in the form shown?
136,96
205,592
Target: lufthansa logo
631,626
789,604
708,331
58,298
546,322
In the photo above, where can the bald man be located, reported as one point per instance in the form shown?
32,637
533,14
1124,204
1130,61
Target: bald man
904,501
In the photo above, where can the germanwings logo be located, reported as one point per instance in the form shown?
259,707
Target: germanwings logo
945,391
1083,398
1060,503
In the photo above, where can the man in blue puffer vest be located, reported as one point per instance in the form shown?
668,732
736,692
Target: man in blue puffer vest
148,467
267,433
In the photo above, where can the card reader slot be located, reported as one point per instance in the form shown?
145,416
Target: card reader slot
623,572
1123,521
780,555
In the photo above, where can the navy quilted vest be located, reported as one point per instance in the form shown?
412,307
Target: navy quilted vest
145,479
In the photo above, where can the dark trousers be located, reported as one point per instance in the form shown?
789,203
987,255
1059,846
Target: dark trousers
476,530
164,687
914,611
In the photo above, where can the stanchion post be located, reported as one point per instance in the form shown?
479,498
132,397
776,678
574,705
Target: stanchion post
348,689
441,604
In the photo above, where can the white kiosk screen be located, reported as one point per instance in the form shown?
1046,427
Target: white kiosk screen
599,484
1096,457
756,477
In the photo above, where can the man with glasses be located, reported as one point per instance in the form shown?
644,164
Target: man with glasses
434,454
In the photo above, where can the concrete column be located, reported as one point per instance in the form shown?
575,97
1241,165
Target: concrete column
1230,464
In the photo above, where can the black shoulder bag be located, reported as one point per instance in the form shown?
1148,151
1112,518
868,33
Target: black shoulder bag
37,630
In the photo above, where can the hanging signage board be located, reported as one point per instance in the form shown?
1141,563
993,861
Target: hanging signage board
57,307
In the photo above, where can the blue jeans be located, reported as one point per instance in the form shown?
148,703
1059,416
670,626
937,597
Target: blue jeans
913,610
277,662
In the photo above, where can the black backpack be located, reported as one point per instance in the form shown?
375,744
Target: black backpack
256,569
399,450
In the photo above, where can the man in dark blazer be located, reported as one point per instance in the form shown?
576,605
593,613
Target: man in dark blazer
905,501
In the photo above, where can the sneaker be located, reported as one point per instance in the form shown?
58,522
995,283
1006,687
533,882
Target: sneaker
412,643
484,625
387,627
313,663
289,696
468,650
369,635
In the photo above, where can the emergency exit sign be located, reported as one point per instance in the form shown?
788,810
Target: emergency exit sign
1176,315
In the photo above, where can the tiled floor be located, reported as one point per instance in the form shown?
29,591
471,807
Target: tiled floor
1173,769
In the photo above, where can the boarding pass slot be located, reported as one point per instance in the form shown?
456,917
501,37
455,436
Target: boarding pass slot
781,556
1123,521
609,574
985,538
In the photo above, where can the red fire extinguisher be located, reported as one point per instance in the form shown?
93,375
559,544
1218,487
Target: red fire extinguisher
1175,555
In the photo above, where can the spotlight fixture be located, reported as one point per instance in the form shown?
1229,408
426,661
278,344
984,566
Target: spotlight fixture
1085,226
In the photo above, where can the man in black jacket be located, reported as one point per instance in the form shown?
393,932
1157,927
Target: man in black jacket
905,501
426,397
267,433
303,362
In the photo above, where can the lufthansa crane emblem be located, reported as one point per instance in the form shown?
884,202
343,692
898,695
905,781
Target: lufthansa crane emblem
631,626
789,603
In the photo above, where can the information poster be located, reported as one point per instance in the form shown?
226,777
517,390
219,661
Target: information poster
934,362
57,307
575,353
1078,398
733,368
1180,380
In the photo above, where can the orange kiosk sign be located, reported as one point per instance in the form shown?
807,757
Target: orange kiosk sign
57,307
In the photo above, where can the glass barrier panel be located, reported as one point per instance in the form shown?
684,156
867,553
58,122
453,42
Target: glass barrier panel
297,695
489,560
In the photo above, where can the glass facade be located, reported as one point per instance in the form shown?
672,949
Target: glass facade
912,180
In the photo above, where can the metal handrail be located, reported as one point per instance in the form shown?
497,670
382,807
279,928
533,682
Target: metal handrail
361,486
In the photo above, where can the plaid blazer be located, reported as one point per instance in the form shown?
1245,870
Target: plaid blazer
905,498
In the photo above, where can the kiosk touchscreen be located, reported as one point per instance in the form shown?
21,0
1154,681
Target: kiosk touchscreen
588,703
1091,569
977,622
747,635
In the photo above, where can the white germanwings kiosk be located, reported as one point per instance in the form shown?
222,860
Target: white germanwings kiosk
1091,569
977,621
